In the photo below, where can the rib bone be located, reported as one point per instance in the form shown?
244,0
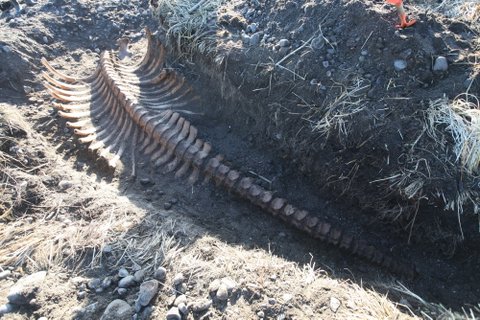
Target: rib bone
118,101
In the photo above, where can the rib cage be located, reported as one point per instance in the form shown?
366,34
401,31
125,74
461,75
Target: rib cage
131,107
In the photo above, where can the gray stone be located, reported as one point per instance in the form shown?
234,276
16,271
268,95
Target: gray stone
178,279
222,292
5,274
6,308
81,294
174,314
441,64
255,39
26,288
91,308
148,290
284,43
139,275
318,43
107,249
400,64
182,307
127,282
160,274
122,273
325,64
116,310
201,305
94,283
182,288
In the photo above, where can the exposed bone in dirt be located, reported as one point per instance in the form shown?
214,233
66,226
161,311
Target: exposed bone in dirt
161,221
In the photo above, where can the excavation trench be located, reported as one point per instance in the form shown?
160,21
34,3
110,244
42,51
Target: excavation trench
243,130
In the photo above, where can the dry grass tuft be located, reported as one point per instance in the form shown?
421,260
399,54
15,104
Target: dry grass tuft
456,124
190,24
339,113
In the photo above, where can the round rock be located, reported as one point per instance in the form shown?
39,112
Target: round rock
222,292
201,305
160,274
400,64
441,64
284,43
178,279
122,273
117,309
127,282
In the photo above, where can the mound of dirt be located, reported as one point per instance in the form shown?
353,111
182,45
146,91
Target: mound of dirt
351,102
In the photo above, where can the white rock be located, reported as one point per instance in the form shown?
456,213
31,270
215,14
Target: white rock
334,304
400,64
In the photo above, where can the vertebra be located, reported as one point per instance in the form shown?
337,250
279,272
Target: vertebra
122,108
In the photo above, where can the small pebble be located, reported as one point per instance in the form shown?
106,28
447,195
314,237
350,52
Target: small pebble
272,301
160,274
174,314
400,64
201,305
334,304
122,273
441,64
139,275
127,282
284,43
180,299
214,285
107,249
65,184
222,292
122,291
182,307
261,314
178,279
167,206
81,294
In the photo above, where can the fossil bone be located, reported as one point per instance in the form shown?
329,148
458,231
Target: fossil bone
121,108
